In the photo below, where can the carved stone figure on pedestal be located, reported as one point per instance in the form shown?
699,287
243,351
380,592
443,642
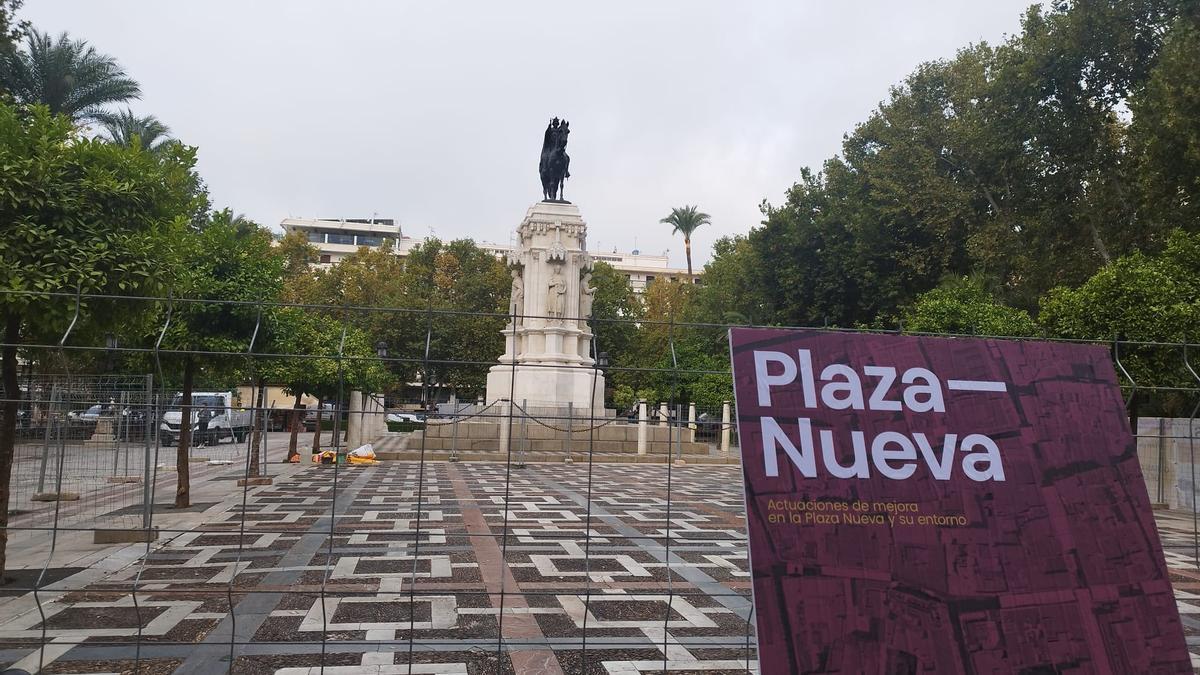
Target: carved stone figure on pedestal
556,296
516,306
587,295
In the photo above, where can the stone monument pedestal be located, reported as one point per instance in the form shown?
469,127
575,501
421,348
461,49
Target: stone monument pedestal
547,358
548,387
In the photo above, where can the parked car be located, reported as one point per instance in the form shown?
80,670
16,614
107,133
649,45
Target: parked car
399,417
134,423
91,414
213,419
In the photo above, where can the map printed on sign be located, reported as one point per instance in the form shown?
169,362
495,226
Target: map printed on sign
934,505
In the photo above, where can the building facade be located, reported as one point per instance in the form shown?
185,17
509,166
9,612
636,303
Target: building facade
337,238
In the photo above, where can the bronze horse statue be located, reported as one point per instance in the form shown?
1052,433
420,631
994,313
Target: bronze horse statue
554,167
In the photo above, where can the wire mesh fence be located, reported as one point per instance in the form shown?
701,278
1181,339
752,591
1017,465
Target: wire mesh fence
249,529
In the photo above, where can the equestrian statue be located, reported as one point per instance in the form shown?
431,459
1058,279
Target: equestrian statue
555,164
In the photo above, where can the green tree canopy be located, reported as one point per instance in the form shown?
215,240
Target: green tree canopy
224,271
425,291
125,128
963,306
1025,165
11,30
615,308
80,216
67,76
1139,298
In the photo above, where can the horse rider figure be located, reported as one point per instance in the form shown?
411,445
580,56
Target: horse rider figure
555,163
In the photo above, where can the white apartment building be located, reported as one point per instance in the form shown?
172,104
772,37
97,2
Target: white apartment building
338,238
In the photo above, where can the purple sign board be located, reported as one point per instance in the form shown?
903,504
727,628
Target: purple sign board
936,505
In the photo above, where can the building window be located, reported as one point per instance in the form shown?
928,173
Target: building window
649,278
369,240
324,257
339,238
316,237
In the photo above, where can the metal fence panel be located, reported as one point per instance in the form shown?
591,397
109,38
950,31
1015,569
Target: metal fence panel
492,536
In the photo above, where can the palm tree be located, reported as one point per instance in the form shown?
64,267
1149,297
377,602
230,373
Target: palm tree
685,221
68,76
125,128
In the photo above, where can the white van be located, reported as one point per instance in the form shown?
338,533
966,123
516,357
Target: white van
213,419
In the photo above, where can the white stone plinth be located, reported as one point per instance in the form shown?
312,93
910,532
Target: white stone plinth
542,386
548,342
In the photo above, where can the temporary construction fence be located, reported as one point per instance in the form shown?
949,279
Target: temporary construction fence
492,536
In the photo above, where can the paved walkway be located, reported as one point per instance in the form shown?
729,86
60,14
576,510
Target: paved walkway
447,568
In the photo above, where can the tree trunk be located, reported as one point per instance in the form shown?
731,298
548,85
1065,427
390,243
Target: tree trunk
295,429
182,470
687,249
317,434
1098,242
8,426
256,430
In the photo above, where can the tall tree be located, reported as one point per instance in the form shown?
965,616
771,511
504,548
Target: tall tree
1165,133
1012,164
615,308
685,220
733,289
298,258
225,261
11,30
79,216
125,128
67,76
455,291
310,362
1144,298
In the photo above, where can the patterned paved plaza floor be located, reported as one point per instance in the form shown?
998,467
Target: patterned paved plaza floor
426,570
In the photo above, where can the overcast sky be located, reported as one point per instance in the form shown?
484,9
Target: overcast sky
432,113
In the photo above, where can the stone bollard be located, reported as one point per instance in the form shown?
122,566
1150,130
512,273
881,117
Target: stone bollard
354,421
505,424
663,415
642,428
691,422
725,427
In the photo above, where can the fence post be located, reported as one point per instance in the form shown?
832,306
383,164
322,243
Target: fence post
664,417
151,424
725,428
570,427
642,427
692,422
524,432
266,427
120,425
679,433
46,441
453,435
